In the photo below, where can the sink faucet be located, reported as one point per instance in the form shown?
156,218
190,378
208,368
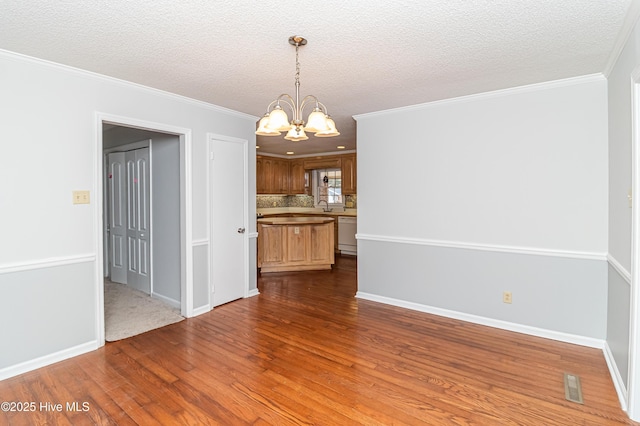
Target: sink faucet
326,209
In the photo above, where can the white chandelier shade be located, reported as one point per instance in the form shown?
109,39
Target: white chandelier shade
331,130
296,134
276,119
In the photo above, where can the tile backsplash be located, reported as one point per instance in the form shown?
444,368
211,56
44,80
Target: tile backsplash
271,201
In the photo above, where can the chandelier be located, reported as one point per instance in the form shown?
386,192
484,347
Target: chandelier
275,120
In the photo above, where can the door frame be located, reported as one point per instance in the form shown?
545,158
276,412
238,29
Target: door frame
245,220
633,379
186,210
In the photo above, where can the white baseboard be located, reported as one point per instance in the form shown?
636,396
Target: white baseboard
34,364
504,325
618,383
253,292
169,301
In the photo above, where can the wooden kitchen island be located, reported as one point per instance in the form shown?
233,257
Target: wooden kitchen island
295,244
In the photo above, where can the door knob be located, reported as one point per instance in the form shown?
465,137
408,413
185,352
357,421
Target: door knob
240,230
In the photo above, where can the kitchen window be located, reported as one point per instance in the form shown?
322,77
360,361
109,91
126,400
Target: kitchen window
327,186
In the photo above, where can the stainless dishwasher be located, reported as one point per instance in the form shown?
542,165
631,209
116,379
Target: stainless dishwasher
347,235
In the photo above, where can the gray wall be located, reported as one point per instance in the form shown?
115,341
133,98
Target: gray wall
165,165
551,293
39,317
201,277
508,192
618,297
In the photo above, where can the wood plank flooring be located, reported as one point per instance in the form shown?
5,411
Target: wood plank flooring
307,352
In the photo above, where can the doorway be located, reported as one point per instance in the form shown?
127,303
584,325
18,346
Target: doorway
170,208
142,211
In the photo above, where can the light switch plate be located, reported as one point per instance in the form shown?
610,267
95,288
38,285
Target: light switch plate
81,197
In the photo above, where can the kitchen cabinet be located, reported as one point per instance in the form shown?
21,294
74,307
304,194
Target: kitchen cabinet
283,176
295,244
272,175
263,173
327,162
298,180
336,225
349,183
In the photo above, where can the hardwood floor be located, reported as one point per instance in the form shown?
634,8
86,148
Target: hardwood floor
307,352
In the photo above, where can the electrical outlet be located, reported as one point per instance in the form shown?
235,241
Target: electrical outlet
81,197
506,297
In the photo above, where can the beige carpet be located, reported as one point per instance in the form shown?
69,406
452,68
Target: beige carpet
128,312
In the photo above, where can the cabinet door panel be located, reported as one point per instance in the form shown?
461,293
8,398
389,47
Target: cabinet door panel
264,175
273,245
281,177
261,182
297,249
297,177
349,185
321,243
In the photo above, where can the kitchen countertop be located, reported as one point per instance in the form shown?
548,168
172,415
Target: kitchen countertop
307,210
298,220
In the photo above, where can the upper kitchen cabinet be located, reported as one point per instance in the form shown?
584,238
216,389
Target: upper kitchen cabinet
291,176
281,176
349,181
328,162
272,175
264,171
298,181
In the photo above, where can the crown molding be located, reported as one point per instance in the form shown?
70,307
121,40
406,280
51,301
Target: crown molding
590,78
630,20
135,86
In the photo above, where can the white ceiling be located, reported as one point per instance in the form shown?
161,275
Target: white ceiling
362,56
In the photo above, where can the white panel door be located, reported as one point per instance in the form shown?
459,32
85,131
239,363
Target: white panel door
228,215
117,202
138,217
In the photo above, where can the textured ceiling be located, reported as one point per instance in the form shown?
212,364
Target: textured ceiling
362,56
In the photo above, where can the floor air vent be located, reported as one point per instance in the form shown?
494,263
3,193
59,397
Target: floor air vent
572,388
